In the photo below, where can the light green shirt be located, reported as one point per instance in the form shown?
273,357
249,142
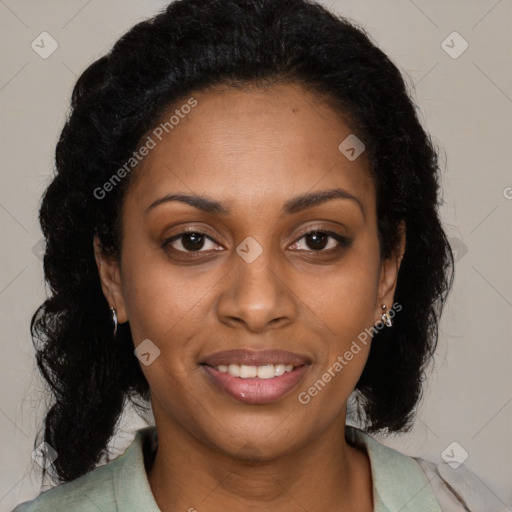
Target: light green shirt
399,482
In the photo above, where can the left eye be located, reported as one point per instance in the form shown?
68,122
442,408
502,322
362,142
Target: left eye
319,241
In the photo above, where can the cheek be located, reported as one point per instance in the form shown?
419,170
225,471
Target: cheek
162,306
159,299
347,298
346,301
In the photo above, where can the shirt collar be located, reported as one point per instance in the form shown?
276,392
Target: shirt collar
132,488
399,483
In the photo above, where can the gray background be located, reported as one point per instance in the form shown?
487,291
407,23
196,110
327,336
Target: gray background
465,103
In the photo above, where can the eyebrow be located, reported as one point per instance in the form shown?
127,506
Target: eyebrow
294,205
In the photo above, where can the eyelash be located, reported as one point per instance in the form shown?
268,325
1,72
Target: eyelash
343,242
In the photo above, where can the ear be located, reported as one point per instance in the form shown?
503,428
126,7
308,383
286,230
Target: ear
111,283
389,274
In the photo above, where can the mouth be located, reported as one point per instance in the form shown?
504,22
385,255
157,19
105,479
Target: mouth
256,377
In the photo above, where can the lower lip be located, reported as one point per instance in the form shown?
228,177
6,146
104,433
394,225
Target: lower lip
256,391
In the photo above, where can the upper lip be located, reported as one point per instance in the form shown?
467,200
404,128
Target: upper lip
259,357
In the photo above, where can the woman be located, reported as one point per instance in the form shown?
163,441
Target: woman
243,231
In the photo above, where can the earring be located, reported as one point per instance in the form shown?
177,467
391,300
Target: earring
114,319
385,318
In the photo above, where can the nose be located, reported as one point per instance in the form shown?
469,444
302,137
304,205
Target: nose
256,296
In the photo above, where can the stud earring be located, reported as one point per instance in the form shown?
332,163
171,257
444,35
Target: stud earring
114,319
385,318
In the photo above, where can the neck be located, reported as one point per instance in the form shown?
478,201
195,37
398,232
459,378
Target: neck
188,474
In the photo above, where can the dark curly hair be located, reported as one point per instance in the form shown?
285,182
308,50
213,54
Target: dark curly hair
191,46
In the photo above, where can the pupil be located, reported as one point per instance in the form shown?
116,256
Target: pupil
193,241
316,240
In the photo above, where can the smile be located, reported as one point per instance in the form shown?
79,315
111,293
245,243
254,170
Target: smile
255,376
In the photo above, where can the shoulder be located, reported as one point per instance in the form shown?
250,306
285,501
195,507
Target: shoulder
414,484
399,483
460,489
118,485
87,493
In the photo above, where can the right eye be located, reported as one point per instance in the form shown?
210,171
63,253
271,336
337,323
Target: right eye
191,241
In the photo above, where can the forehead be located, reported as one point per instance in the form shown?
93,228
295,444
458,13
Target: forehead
255,146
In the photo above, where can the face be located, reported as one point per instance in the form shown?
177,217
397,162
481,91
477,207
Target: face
250,245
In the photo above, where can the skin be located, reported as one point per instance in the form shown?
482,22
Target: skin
252,150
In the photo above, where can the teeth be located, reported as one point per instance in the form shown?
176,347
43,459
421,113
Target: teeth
234,370
281,368
268,371
248,372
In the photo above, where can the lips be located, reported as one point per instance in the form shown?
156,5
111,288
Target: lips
256,377
255,358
